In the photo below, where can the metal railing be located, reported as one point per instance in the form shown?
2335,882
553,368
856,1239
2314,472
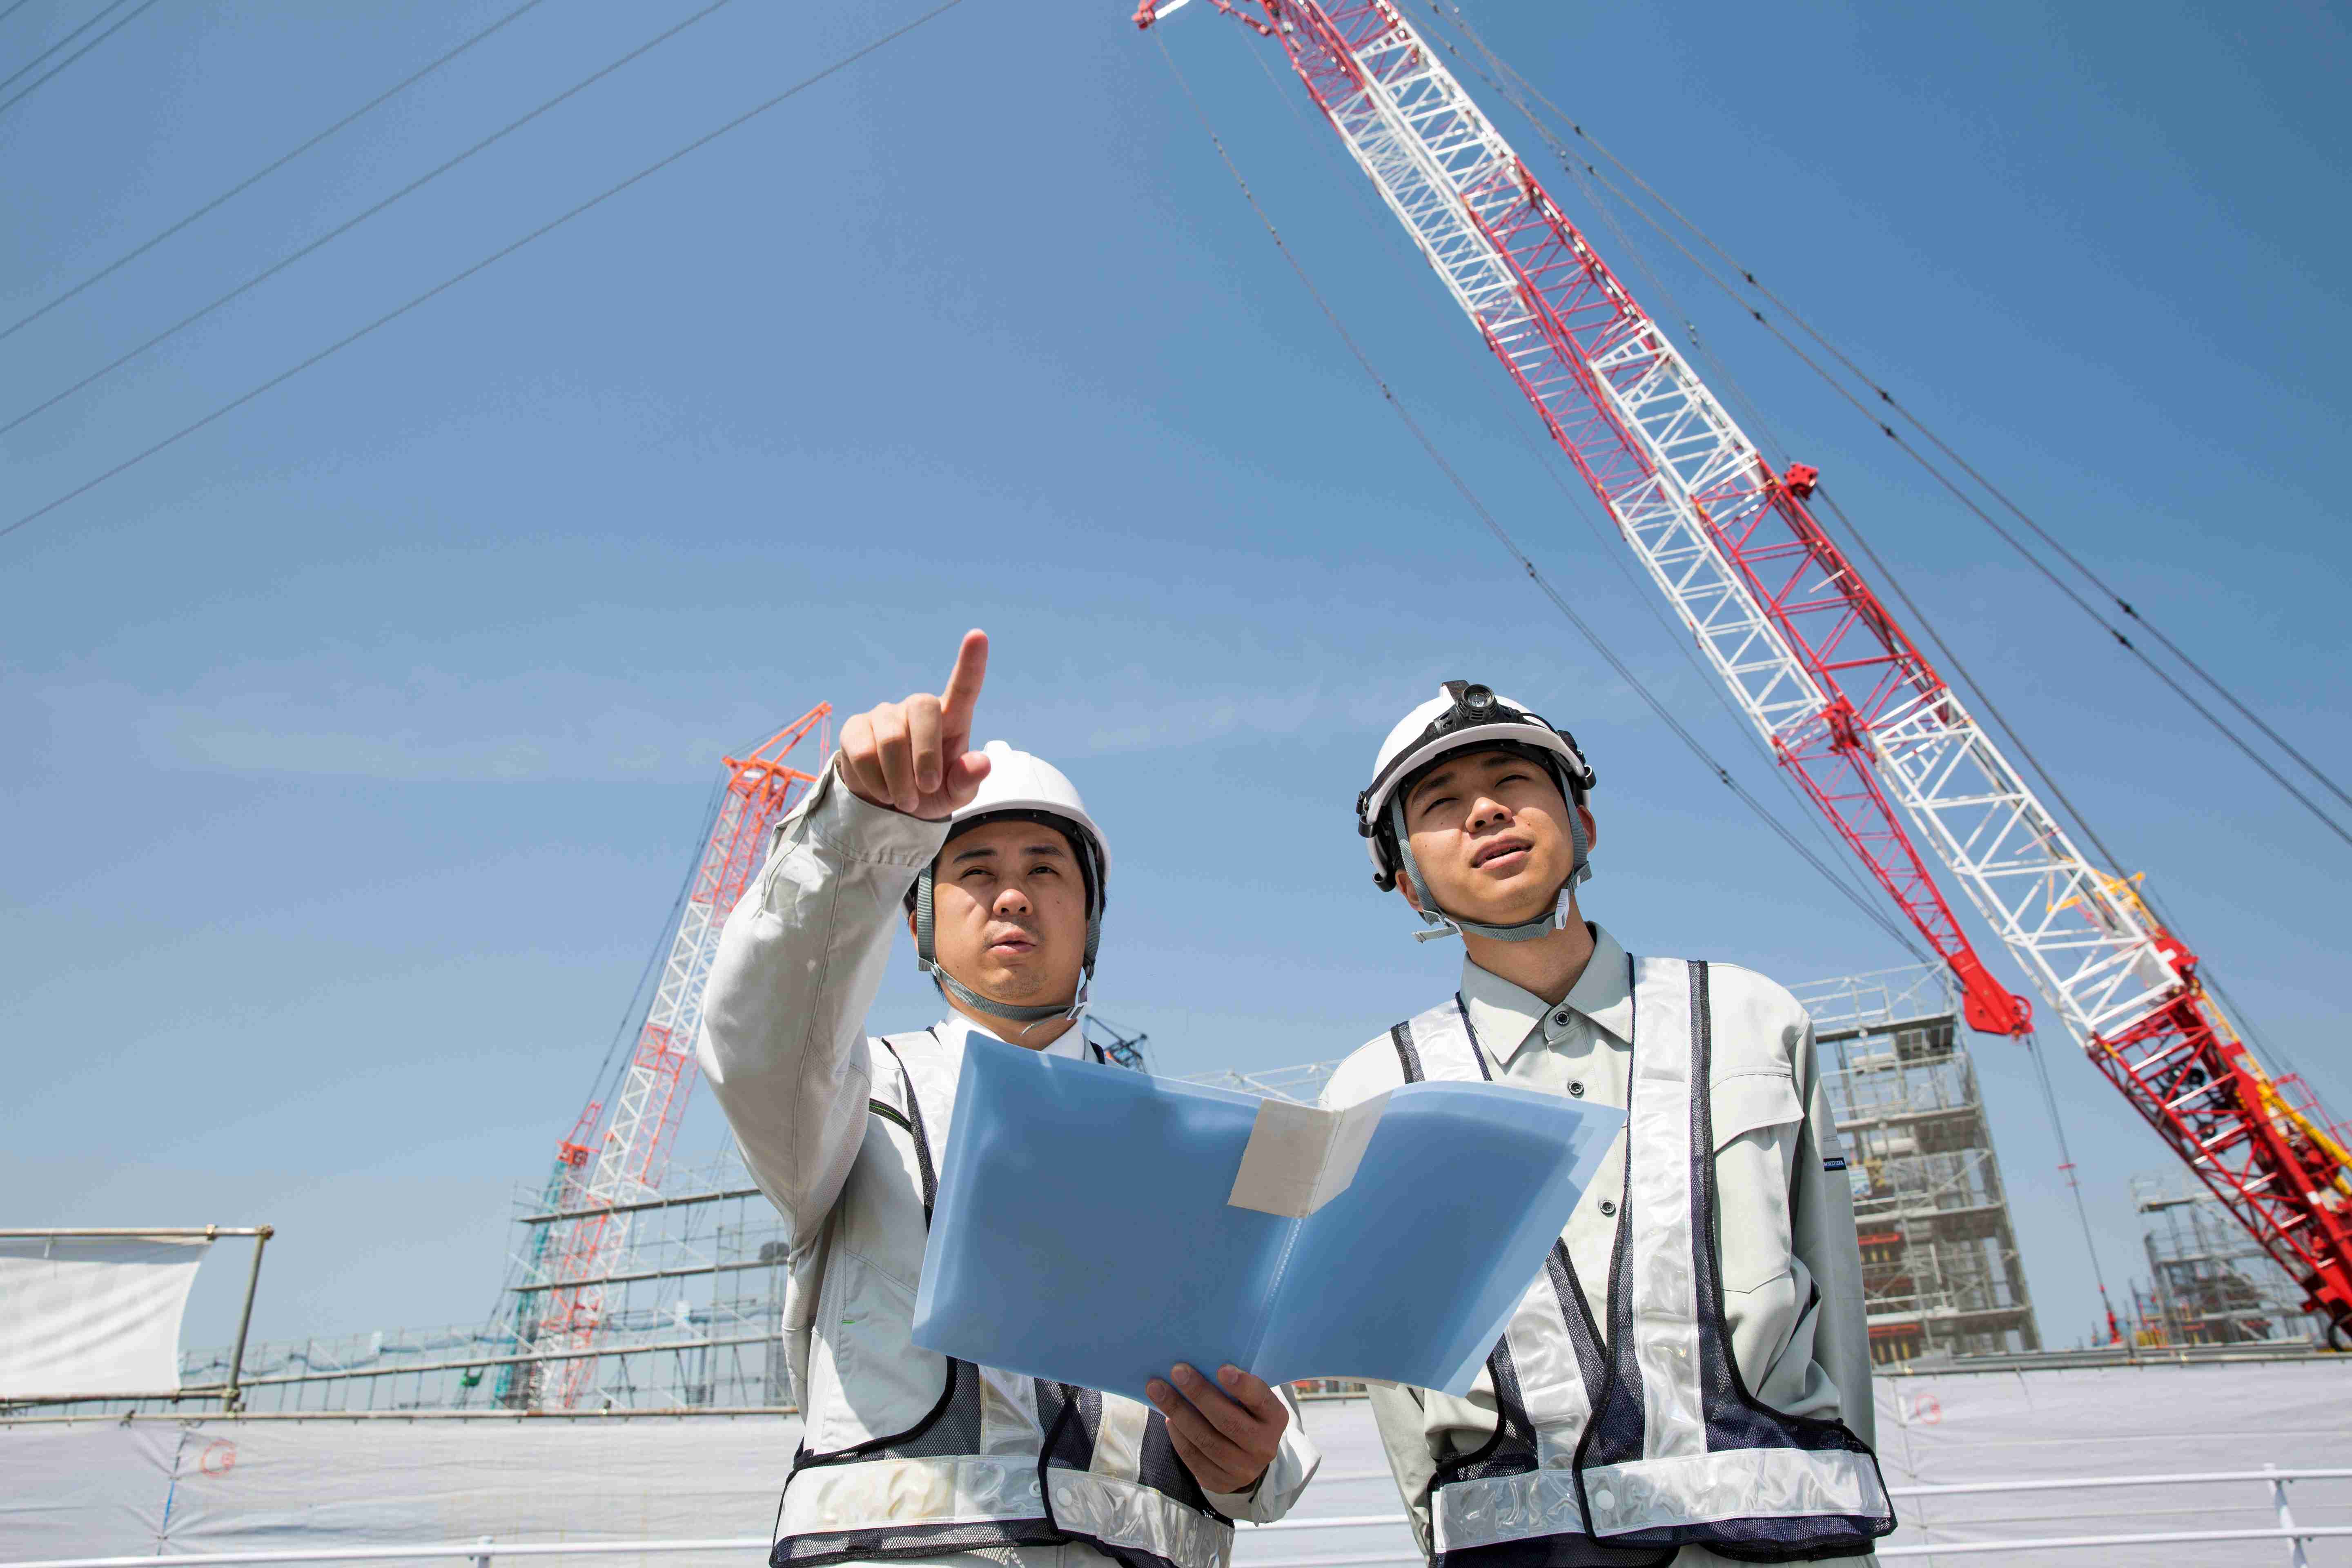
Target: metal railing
484,1549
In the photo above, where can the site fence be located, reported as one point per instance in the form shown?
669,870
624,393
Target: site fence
483,1551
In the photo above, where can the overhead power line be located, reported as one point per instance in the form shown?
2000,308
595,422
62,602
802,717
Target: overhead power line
14,77
495,257
1869,907
135,252
27,90
1888,399
418,183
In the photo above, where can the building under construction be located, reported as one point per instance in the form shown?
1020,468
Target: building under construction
1940,1270
2209,1283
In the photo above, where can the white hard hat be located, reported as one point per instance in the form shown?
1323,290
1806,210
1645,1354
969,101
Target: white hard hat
1020,785
1466,716
1018,781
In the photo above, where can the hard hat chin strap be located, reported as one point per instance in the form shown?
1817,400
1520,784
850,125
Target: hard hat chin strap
927,956
1442,925
995,1009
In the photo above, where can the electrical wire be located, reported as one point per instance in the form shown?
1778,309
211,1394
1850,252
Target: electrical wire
95,18
135,252
1516,418
13,9
1887,398
291,257
1869,908
27,91
495,257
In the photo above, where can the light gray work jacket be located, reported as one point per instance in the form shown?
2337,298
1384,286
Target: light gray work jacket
783,1044
1784,1222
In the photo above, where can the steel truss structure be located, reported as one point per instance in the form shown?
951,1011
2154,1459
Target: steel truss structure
690,1320
1940,1269
1848,704
2209,1283
601,1182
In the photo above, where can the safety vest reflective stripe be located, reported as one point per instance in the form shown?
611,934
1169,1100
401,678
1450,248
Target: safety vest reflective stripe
1548,1372
902,1496
1671,1450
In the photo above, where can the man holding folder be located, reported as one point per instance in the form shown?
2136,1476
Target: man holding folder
999,873
1688,1380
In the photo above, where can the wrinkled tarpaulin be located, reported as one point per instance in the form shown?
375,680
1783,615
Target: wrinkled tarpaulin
93,1314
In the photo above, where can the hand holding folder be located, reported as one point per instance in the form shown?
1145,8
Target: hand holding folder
1095,1225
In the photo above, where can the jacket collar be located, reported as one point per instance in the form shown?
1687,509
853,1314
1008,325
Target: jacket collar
1506,1017
952,1030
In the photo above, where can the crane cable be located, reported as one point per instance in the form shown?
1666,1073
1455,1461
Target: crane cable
299,252
495,257
1944,652
1578,496
604,1087
1869,907
2007,537
1948,659
2262,1047
2066,1166
136,251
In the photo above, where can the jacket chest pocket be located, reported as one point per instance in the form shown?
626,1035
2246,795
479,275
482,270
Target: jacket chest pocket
1757,1118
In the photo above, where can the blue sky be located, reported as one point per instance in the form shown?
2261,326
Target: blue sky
359,739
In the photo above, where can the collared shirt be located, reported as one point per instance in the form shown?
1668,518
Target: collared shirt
1070,1044
1784,1223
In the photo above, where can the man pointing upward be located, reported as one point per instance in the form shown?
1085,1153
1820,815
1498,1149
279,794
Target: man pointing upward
999,873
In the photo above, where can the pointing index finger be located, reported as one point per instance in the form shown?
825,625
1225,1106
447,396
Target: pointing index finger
964,690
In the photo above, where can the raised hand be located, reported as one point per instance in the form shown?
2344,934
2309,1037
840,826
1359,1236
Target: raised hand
1226,1436
909,756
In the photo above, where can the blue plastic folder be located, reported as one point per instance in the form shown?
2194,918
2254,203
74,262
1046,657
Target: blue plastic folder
1095,1225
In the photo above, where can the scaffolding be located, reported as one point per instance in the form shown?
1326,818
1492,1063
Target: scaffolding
693,1310
1940,1271
2209,1282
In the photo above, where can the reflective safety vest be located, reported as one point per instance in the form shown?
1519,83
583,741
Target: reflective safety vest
1000,1459
1680,1453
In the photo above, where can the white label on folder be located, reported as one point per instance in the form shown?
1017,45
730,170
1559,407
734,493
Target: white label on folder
1300,1157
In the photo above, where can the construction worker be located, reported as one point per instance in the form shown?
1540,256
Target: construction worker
991,859
1688,1380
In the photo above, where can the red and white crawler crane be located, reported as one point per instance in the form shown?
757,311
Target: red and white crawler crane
1844,698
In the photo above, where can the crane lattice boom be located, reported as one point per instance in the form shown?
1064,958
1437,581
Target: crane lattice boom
1843,696
625,1165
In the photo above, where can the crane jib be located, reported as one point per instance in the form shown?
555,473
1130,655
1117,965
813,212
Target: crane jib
1838,689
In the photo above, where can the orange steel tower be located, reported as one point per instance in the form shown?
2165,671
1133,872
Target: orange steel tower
599,1174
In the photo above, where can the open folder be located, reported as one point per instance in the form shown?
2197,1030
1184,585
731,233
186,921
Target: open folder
1095,1225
